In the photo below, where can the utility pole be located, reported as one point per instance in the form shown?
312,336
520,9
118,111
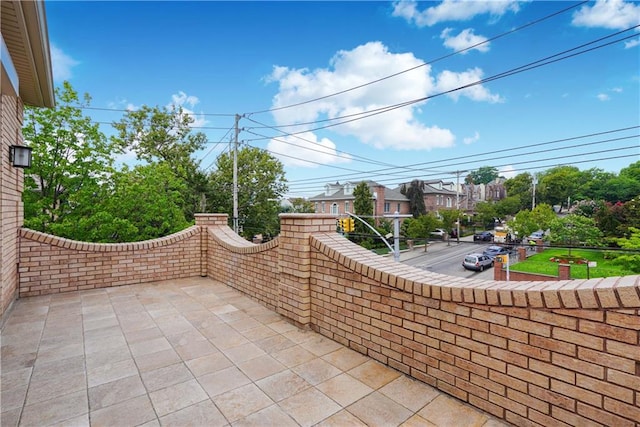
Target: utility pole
235,177
533,203
458,205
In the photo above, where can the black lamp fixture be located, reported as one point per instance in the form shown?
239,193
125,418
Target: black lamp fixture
20,156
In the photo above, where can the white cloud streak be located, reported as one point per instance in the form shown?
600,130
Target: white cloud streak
62,64
464,40
471,139
188,102
612,14
451,10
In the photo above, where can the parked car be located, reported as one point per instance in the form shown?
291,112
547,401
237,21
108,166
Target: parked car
536,235
493,251
440,232
484,236
477,262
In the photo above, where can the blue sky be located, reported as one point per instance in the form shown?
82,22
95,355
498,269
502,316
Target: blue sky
266,60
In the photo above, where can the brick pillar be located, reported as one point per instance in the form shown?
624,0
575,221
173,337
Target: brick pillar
294,262
205,220
564,271
522,254
498,273
539,246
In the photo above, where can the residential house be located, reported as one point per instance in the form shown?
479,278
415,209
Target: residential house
338,199
27,78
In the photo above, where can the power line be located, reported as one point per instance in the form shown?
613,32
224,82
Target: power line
529,24
127,111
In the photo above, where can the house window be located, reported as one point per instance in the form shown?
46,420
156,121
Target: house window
334,209
346,207
387,207
398,208
322,207
316,208
448,202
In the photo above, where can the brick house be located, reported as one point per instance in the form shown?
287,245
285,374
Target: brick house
27,78
338,198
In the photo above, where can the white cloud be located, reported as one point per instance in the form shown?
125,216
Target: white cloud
508,171
631,43
297,149
399,128
449,80
471,139
603,97
61,63
183,100
613,14
451,10
617,90
464,40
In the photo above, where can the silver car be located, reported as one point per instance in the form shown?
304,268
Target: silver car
477,262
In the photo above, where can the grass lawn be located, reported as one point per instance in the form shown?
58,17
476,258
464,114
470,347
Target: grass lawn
539,263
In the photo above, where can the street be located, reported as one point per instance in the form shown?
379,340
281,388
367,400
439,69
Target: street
446,258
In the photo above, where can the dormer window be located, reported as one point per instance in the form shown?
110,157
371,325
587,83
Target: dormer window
348,189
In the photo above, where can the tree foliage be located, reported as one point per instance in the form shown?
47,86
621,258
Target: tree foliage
362,206
420,227
300,205
261,184
483,175
414,193
71,159
630,260
573,230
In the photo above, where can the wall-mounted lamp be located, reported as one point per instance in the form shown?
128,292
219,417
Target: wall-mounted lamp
20,156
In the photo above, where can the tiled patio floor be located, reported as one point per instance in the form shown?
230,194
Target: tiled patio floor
195,352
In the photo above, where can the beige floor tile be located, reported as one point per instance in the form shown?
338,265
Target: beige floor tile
143,334
79,421
132,412
15,379
231,339
341,419
320,345
309,407
378,410
176,397
135,321
271,416
242,402
201,414
13,398
173,325
107,357
196,349
111,372
445,411
282,385
166,376
282,326
63,352
410,393
160,359
316,371
98,344
243,352
417,421
105,321
141,348
49,388
208,364
344,389
184,338
299,336
294,356
274,344
261,367
345,358
115,392
10,418
223,381
374,374
55,410
258,333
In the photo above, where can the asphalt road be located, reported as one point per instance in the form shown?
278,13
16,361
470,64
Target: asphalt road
446,258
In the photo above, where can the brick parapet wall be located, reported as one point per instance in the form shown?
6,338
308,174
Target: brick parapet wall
50,264
534,354
11,207
245,266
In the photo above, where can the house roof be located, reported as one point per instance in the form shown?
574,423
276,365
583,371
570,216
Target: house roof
24,30
389,194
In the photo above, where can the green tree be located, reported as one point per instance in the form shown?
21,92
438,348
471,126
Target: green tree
164,135
414,193
483,175
508,206
71,160
485,213
560,184
421,227
362,206
574,230
261,183
526,221
449,218
631,259
300,205
521,186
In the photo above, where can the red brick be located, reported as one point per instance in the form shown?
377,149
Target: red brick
608,331
530,351
493,318
578,338
553,345
578,365
607,360
546,420
624,379
572,418
492,340
529,401
508,404
486,406
528,376
488,384
509,333
508,381
553,398
624,350
509,357
603,417
629,321
631,412
554,319
491,363
602,387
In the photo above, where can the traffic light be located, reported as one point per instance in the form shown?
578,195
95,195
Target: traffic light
350,224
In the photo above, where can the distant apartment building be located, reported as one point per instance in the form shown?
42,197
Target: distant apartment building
472,194
337,199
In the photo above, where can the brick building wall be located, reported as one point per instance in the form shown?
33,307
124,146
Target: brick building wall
11,208
50,264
